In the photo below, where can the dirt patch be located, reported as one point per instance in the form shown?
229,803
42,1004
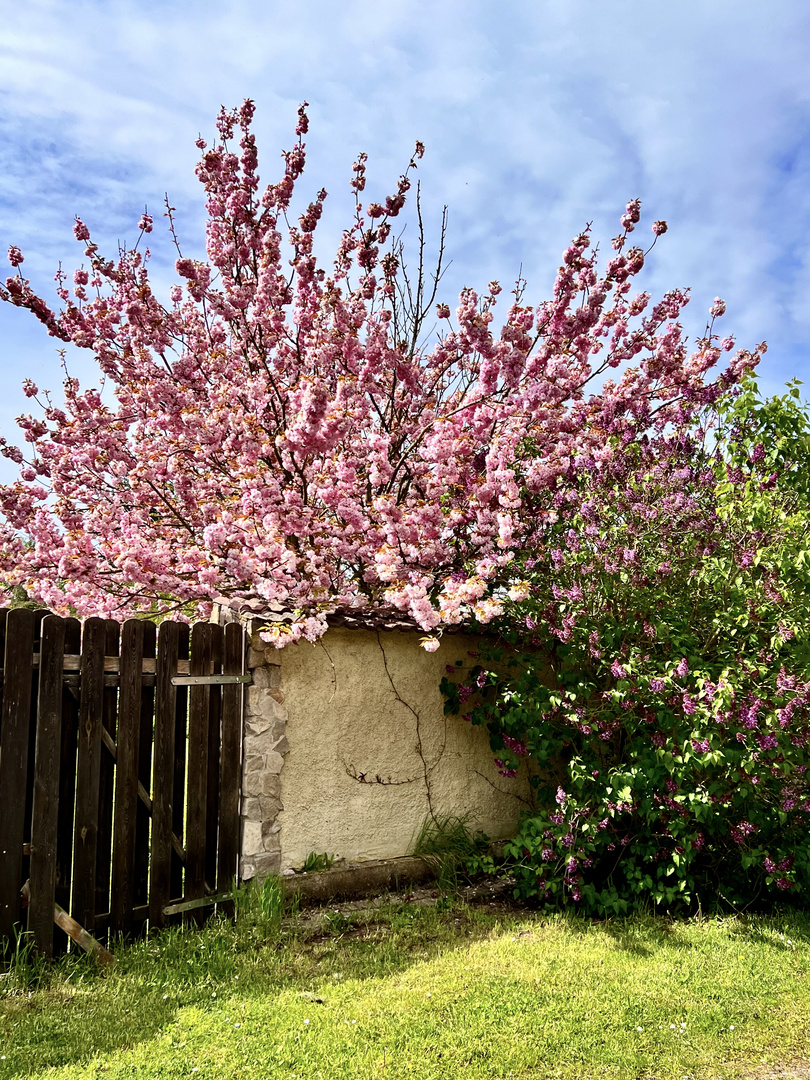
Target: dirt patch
793,1070
336,917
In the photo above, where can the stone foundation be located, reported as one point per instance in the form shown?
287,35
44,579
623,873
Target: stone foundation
264,749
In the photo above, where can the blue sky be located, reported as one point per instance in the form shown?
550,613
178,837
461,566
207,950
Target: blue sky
537,117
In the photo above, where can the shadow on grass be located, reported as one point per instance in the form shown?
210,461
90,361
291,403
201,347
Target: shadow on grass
64,1013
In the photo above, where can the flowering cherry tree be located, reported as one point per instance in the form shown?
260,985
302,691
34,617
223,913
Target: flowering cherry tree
326,436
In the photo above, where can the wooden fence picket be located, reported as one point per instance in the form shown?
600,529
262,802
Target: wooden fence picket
88,769
18,675
45,805
106,780
126,785
144,804
230,764
172,645
198,715
3,617
212,783
67,780
179,858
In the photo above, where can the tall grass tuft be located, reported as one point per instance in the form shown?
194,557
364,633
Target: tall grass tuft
448,843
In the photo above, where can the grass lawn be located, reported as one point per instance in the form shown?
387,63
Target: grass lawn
404,990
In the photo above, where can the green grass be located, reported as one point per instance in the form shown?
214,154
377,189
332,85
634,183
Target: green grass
411,991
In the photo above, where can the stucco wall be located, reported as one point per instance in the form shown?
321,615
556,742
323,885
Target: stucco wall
325,721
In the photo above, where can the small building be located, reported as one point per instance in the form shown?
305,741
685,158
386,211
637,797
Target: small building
347,749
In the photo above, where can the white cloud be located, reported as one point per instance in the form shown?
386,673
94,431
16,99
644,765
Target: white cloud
537,118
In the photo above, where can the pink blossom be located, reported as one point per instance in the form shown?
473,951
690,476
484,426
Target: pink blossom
271,435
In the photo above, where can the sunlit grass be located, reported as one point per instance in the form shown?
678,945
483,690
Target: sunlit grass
410,991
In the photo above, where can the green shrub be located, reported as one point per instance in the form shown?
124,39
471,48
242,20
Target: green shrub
654,664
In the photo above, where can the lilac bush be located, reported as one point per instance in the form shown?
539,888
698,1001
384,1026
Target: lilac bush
653,669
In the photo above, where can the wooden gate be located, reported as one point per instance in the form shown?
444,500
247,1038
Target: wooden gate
120,773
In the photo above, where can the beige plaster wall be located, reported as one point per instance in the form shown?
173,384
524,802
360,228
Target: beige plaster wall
367,703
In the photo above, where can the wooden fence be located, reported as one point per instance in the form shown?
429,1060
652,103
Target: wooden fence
120,772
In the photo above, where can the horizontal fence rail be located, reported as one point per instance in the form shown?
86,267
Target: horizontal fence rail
120,766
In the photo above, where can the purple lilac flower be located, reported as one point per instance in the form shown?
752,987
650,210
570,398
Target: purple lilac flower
505,770
515,745
741,831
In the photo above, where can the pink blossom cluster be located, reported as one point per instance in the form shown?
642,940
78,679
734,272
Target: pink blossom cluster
278,430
